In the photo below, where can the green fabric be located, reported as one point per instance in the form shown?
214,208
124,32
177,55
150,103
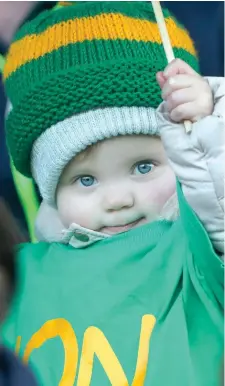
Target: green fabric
163,272
83,76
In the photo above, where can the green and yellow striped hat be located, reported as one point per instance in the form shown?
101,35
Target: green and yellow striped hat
82,57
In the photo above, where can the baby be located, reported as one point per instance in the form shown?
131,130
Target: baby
129,268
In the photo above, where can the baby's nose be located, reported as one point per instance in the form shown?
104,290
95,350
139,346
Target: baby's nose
115,201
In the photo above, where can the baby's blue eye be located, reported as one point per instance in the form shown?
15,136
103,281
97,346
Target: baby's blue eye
143,168
87,180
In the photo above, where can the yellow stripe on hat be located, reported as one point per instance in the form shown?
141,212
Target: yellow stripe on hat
108,26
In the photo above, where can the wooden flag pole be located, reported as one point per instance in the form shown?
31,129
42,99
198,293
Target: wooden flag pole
166,43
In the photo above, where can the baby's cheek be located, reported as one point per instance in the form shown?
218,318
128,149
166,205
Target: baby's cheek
166,190
88,218
76,215
66,216
162,189
80,214
66,210
74,209
83,220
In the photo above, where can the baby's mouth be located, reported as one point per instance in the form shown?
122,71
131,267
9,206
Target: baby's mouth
122,228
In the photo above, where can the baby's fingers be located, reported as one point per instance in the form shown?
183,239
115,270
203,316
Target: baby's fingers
176,83
185,111
178,66
179,97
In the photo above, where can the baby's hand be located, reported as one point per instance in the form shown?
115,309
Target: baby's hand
187,94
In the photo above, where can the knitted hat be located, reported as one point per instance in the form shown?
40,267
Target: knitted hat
80,74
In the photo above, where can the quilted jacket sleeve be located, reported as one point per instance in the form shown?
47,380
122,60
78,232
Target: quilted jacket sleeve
198,160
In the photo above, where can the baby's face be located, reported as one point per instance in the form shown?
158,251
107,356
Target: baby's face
120,184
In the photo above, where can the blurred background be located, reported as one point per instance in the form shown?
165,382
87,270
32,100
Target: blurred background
203,19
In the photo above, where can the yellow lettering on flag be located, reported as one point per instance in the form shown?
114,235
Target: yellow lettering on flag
94,343
63,329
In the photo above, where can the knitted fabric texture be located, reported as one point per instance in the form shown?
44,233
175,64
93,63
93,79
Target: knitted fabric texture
83,57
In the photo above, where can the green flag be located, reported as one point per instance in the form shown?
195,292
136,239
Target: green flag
141,308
